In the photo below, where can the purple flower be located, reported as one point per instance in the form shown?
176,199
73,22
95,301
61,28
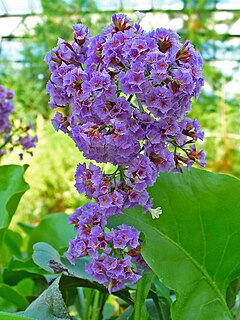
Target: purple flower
80,34
127,93
77,249
12,135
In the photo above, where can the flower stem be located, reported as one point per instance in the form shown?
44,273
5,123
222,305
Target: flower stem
143,287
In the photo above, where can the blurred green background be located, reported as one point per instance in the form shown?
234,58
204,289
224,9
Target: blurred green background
28,29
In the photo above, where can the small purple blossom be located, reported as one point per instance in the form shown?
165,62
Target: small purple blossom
12,136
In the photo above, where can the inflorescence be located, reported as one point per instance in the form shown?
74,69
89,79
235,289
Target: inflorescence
11,135
123,96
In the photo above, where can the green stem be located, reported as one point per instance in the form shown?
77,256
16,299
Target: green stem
6,142
103,298
143,287
133,105
89,296
95,313
130,97
140,106
122,175
9,139
139,310
118,88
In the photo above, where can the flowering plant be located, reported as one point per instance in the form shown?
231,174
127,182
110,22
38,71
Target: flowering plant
11,134
123,96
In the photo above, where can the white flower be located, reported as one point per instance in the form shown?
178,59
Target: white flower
139,16
155,212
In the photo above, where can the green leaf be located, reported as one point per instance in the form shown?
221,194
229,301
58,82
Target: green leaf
10,294
53,229
11,246
27,265
12,316
49,305
194,246
26,287
18,270
12,187
49,259
127,314
26,227
43,253
108,311
13,277
152,310
161,290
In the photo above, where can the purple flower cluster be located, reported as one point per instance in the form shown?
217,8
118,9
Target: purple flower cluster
113,252
10,135
123,97
6,108
114,195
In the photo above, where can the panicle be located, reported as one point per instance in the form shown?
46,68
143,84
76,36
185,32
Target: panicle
12,135
123,97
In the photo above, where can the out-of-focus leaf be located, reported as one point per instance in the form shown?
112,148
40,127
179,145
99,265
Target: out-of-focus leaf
26,287
12,316
13,241
232,292
18,270
49,305
12,187
26,227
13,277
127,314
7,306
194,246
10,294
108,311
11,246
161,290
152,310
54,230
27,265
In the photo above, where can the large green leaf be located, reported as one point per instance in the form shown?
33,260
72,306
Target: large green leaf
53,229
12,187
194,246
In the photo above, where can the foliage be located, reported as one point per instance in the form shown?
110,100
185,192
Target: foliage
183,249
192,248
217,111
183,246
12,187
